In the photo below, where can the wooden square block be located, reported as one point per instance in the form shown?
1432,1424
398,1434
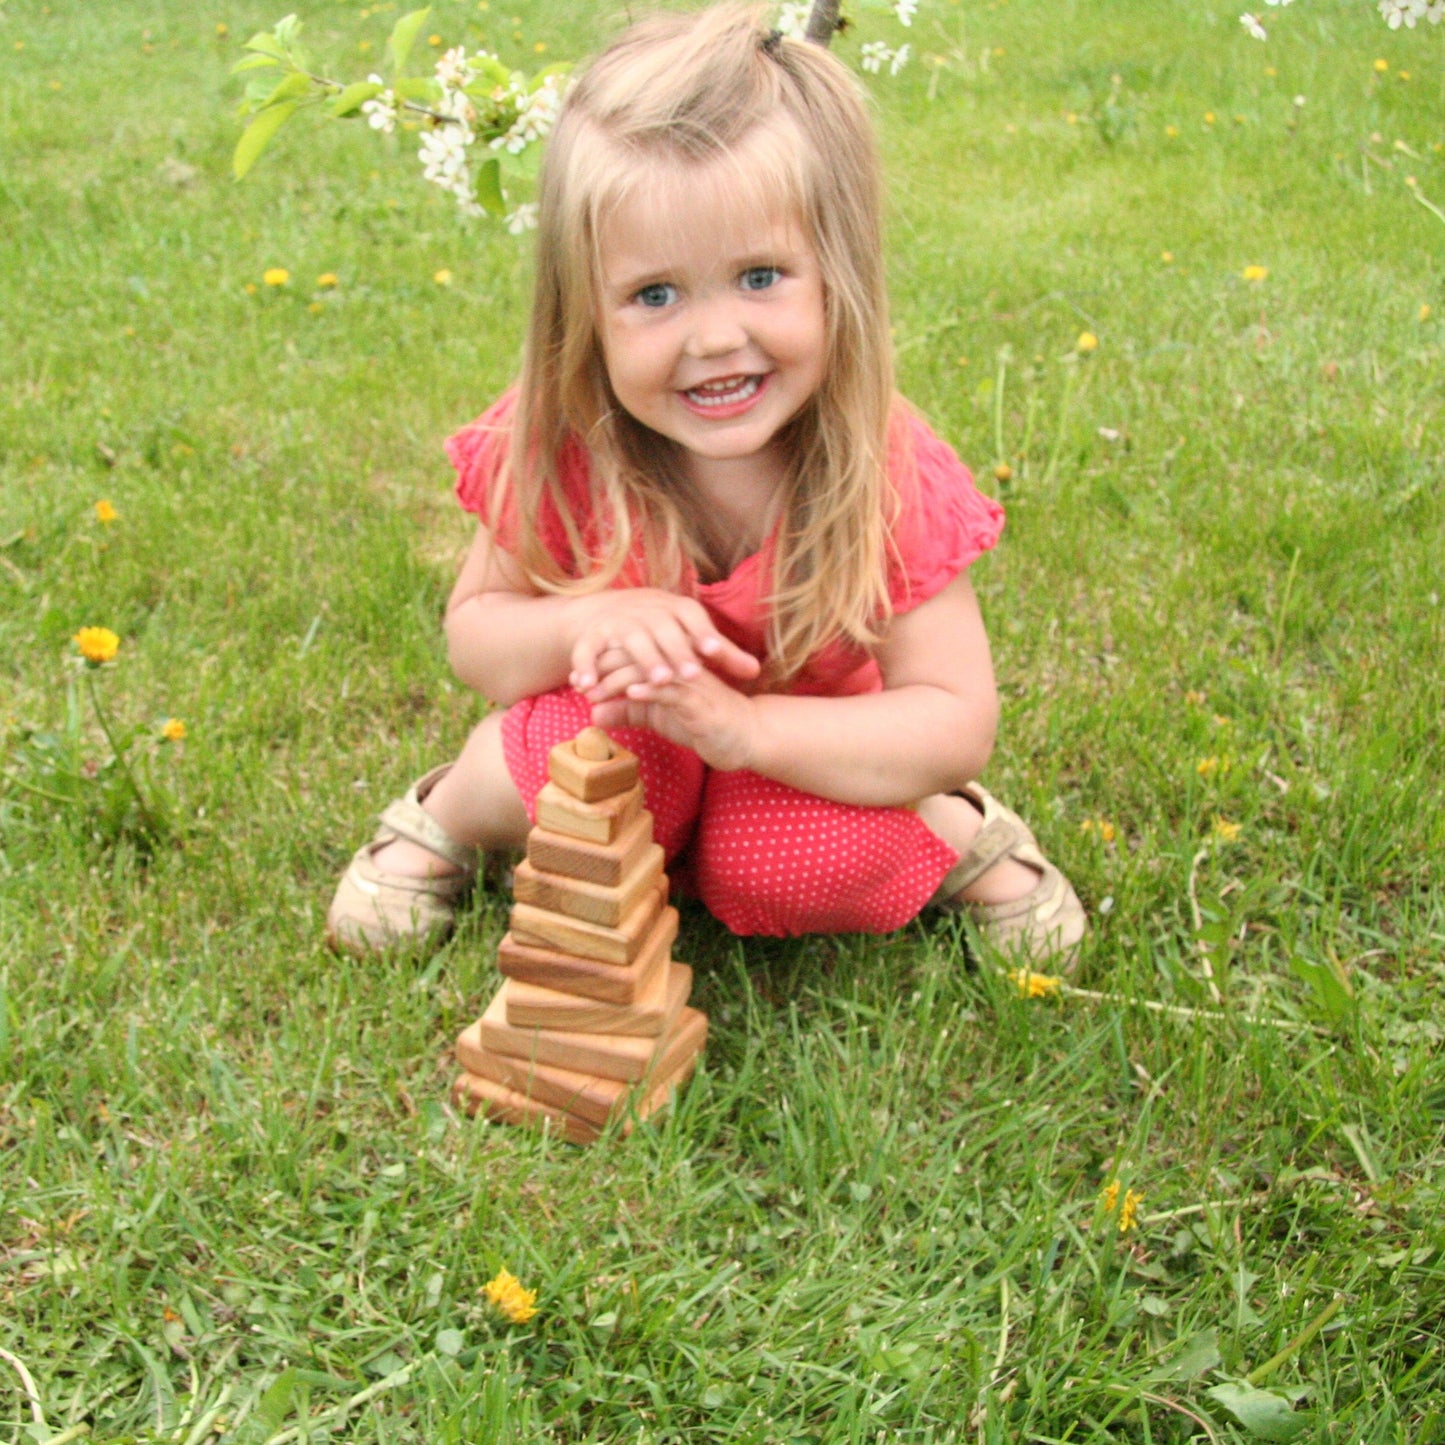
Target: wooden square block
611,1056
652,1015
560,812
620,945
604,863
586,976
479,1095
585,1096
578,898
591,779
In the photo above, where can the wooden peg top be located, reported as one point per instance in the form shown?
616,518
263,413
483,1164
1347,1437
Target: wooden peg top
593,744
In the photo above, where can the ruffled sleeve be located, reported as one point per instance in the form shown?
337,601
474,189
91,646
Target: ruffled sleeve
945,523
479,453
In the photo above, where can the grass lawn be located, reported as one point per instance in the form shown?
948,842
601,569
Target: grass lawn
233,1194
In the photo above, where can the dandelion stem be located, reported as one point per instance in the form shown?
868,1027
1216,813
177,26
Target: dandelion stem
147,816
1428,204
1179,1010
41,792
998,404
1263,1372
1057,450
1198,920
27,1382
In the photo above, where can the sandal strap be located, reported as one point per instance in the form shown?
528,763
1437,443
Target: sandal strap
995,841
406,818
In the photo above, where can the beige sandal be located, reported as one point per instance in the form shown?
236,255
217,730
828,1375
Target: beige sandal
1046,925
373,909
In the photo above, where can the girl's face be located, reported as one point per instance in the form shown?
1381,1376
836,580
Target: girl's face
712,322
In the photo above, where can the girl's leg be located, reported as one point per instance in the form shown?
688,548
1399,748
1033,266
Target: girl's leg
475,802
958,822
769,859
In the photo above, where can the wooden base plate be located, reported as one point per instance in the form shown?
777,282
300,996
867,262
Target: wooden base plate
584,1096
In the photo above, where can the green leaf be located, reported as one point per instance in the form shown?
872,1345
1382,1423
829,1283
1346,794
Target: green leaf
275,1404
258,135
289,88
418,87
403,37
489,187
1198,1355
253,62
267,44
450,1342
1264,1414
1329,983
354,97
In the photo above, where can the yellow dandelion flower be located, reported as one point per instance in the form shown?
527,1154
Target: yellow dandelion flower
251,289
1127,1207
1404,74
97,644
1071,119
173,730
1411,182
276,276
1086,343
1003,472
1035,985
1381,66
1424,311
1255,273
363,45
1167,257
55,85
316,308
433,40
1102,826
1129,1210
105,512
443,277
1270,71
1226,831
1208,117
507,1294
1208,767
1171,131
223,30
327,279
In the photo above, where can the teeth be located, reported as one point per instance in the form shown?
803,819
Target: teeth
717,393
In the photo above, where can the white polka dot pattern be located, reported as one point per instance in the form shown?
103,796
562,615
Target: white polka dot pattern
765,858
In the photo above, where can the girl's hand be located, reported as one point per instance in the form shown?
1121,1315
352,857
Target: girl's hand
662,636
703,713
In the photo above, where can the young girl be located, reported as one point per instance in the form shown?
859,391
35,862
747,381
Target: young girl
708,523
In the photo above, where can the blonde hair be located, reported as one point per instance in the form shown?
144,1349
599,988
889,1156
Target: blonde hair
679,92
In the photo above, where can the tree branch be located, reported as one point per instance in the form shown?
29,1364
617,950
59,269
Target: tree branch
822,22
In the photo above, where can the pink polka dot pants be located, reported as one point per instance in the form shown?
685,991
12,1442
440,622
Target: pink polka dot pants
764,858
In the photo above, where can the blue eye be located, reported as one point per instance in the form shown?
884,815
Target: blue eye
759,278
660,293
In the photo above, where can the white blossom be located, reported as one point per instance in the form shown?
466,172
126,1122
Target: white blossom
1276,2
536,115
874,57
524,218
1252,25
905,11
1435,11
1402,12
381,112
793,20
899,59
453,70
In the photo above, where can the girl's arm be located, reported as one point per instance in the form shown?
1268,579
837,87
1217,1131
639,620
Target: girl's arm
929,731
508,641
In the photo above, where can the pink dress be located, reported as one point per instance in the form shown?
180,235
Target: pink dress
764,858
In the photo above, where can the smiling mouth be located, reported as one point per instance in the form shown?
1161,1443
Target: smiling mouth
729,391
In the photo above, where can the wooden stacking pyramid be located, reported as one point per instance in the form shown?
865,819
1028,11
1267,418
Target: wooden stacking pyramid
592,1022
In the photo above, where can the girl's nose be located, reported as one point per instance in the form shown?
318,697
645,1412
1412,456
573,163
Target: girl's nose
717,330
